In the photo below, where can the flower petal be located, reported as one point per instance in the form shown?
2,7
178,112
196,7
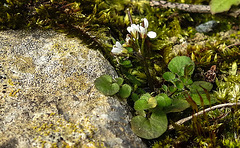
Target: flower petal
117,48
135,27
129,29
116,51
145,22
151,34
118,45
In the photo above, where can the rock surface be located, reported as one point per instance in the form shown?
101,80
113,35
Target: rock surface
47,95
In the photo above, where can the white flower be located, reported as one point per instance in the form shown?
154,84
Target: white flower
128,40
151,34
133,30
145,23
117,48
143,30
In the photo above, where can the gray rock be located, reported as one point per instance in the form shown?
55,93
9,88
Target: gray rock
207,27
47,95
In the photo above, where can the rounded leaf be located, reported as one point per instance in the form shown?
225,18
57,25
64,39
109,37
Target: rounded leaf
179,85
178,105
145,96
144,103
168,76
150,128
141,104
172,89
105,85
178,64
127,63
119,81
186,80
218,6
163,100
125,91
152,102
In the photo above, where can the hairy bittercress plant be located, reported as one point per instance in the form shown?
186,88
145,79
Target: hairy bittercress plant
151,110
151,121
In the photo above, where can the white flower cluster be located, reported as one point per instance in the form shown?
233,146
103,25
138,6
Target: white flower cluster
135,31
141,29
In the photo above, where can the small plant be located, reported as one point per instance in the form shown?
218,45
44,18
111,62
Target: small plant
151,120
109,86
151,109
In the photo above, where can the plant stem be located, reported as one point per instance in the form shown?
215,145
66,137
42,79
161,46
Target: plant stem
129,16
145,66
170,127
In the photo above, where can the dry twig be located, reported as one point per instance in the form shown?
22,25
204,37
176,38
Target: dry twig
189,7
184,7
170,127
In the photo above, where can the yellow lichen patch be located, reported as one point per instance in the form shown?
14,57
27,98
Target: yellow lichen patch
10,82
25,64
14,93
54,127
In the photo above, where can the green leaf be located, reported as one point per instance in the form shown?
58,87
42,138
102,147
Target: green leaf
197,86
163,100
105,85
168,76
127,63
145,96
218,6
141,113
141,104
179,85
186,80
146,101
125,91
188,69
178,105
129,49
197,99
172,89
152,102
133,79
150,128
165,88
177,65
135,97
119,81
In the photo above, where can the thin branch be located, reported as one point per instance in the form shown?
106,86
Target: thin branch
190,7
170,127
129,16
236,44
180,6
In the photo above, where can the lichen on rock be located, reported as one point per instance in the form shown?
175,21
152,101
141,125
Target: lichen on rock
48,98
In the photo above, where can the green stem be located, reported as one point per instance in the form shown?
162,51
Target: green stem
145,66
138,46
